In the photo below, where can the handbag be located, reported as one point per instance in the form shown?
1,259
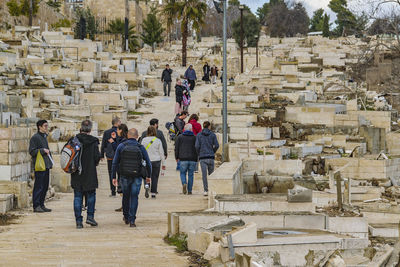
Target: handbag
40,166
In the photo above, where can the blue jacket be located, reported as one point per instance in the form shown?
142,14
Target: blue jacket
117,156
206,144
190,74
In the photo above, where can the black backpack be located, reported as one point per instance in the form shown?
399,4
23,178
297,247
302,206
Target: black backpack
132,164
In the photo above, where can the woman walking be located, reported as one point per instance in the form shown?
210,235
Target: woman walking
155,150
178,96
206,72
122,135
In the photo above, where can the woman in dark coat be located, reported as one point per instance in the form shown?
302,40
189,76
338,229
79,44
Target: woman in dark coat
206,72
86,183
178,96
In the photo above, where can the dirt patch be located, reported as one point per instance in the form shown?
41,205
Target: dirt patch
335,212
6,219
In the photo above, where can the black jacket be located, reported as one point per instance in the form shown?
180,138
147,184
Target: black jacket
179,93
38,143
179,124
185,149
206,144
160,136
166,75
106,137
87,180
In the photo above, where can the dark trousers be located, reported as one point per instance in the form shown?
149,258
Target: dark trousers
155,174
91,202
130,193
192,84
40,188
165,87
112,187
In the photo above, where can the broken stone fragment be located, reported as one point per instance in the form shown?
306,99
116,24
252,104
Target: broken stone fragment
299,194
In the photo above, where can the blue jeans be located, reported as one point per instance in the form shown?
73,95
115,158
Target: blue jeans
130,193
187,167
40,188
91,202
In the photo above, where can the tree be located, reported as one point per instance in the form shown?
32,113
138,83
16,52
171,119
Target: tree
152,29
17,8
117,27
90,25
251,28
346,20
262,12
188,12
326,26
284,21
317,20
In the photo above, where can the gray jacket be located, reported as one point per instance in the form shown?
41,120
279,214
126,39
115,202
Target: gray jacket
206,144
37,144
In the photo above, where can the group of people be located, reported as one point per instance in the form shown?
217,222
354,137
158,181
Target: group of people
211,72
133,159
192,145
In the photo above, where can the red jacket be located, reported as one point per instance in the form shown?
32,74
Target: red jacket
196,126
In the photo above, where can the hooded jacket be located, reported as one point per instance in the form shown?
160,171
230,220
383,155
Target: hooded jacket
185,149
190,74
87,180
37,144
196,126
206,144
106,137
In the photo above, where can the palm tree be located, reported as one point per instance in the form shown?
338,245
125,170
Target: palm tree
170,13
188,11
117,27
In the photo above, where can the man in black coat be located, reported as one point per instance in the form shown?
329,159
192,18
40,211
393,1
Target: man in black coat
166,79
86,183
39,144
109,137
160,135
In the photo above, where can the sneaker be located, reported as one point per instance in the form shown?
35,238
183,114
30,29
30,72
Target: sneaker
132,224
113,195
91,222
118,210
205,193
38,210
45,209
79,225
184,189
125,220
146,193
189,193
153,195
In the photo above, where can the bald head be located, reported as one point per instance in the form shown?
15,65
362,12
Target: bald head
133,133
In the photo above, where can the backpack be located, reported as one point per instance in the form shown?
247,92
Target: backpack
186,100
70,157
109,151
132,164
172,133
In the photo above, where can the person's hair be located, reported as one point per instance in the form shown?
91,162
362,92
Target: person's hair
151,131
178,79
133,133
153,122
206,124
184,113
166,65
86,126
194,117
188,127
115,120
40,123
124,130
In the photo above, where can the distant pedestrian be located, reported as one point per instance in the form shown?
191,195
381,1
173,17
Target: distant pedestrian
186,100
155,151
129,159
214,74
86,182
185,154
107,148
222,74
179,88
193,120
154,122
166,79
206,146
190,75
38,145
122,133
206,73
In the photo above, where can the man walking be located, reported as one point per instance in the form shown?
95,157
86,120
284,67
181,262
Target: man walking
38,144
166,79
185,154
180,121
85,182
129,157
109,137
206,146
160,135
190,75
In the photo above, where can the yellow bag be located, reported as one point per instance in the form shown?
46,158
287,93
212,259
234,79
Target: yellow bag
40,166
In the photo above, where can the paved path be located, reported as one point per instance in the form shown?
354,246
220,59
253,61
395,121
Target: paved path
51,239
